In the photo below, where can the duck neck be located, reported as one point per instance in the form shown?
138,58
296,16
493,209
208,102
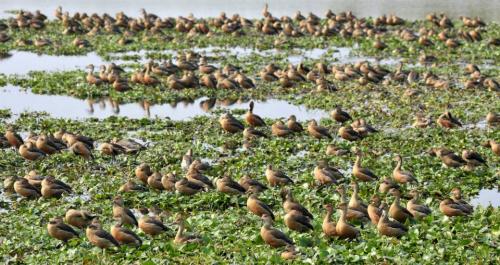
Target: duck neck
399,164
343,215
397,198
180,230
327,216
358,161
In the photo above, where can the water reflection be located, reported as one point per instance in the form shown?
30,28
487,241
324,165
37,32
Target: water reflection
57,106
487,197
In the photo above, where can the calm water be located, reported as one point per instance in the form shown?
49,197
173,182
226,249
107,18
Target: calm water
73,108
487,197
487,9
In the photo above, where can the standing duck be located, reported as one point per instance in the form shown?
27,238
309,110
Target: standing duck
151,225
277,177
168,181
344,229
99,237
387,184
256,206
352,214
289,204
59,230
363,174
355,203
122,214
296,221
253,119
418,211
230,124
446,120
400,175
397,211
187,159
279,129
329,227
227,185
272,236
318,131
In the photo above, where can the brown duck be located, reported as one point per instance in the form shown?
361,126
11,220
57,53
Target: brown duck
78,218
52,187
344,229
446,120
390,228
246,182
363,174
339,115
122,214
317,131
279,129
396,211
227,185
418,210
400,175
277,177
99,237
25,189
125,236
349,134
256,206
29,152
253,119
329,227
61,231
230,124
272,236
293,125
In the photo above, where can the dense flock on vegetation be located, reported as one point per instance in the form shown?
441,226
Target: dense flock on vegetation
386,178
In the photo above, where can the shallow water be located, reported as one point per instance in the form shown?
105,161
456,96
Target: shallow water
57,106
487,197
487,9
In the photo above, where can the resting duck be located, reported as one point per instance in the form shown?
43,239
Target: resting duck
325,174
256,206
293,125
246,182
29,152
187,187
52,187
339,115
473,158
279,129
336,151
151,225
387,184
122,214
61,231
251,132
390,228
227,185
142,172
277,177
448,158
450,208
230,124
78,218
296,221
99,237
457,198
125,236
181,237
317,131
349,134
289,204
25,189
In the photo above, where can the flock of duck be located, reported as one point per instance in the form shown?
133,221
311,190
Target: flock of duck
388,214
389,219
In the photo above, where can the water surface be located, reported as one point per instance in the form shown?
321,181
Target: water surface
487,197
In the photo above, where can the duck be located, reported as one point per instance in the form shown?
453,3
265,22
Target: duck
61,231
230,124
352,214
294,220
473,158
110,149
355,203
253,119
344,229
390,228
78,218
29,152
168,181
52,187
400,175
362,127
317,131
142,172
187,159
131,186
349,134
418,211
154,181
325,174
8,184
227,185
187,187
272,236
279,129
181,237
125,236
331,149
81,149
151,225
450,208
194,175
25,189
246,182
448,158
293,125
446,120
256,206
44,143
99,237
289,204
277,177
329,227
375,209
130,146
386,184
493,119
495,147
290,253
339,115
363,174
396,211
91,78
251,132
457,198
123,214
